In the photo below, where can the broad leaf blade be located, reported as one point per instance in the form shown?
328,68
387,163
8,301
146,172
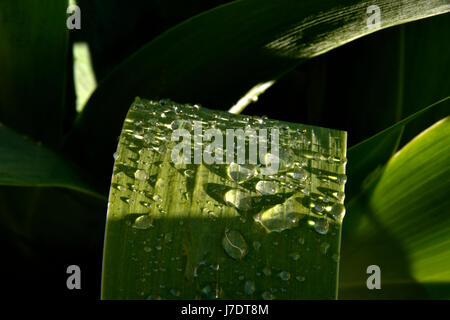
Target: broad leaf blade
405,227
217,231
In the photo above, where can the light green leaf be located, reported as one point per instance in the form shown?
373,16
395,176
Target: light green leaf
374,153
406,224
222,230
84,77
25,163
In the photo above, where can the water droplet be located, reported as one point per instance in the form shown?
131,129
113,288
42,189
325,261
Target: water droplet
240,173
266,187
118,187
321,226
278,218
299,174
175,293
267,295
177,124
267,271
116,156
337,211
335,257
143,222
324,247
156,198
295,256
211,293
300,278
145,204
342,179
271,159
127,200
234,244
215,267
140,175
318,207
238,199
168,237
189,173
285,276
256,245
339,195
249,287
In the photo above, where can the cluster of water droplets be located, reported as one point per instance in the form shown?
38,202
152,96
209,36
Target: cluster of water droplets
307,188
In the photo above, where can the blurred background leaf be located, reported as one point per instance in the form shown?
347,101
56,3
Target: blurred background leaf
405,224
25,163
33,60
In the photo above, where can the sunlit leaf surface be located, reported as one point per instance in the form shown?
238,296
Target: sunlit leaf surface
178,230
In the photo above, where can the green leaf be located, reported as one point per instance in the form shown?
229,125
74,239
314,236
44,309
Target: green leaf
374,153
393,73
405,227
25,163
33,56
84,78
214,60
111,41
180,230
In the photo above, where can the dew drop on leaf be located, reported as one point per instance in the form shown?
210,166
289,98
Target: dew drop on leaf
278,218
266,187
321,226
267,295
238,199
142,222
300,278
249,287
324,246
234,244
256,245
140,175
285,276
337,211
295,256
240,173
175,293
156,198
298,174
267,271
